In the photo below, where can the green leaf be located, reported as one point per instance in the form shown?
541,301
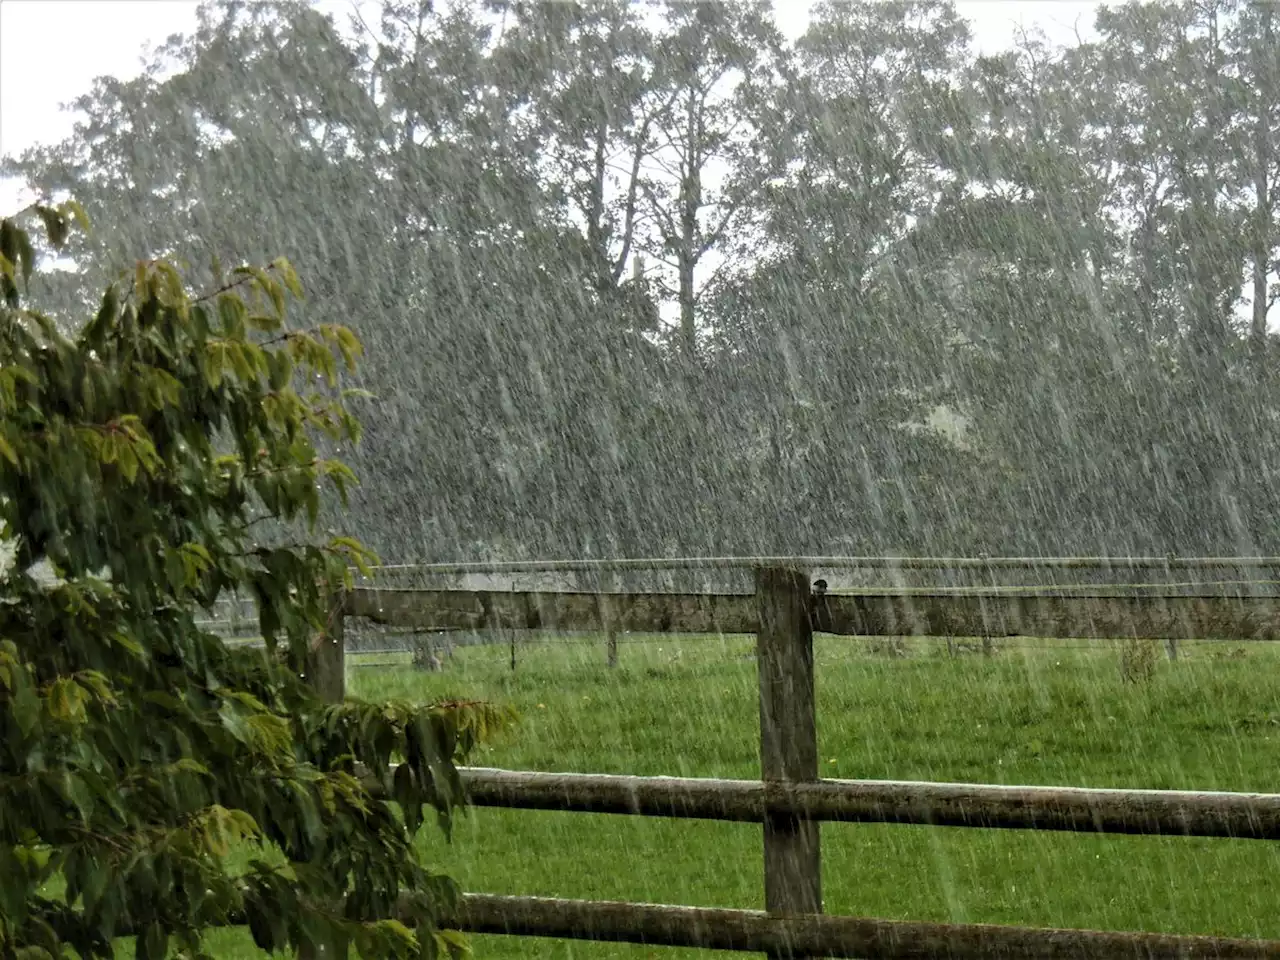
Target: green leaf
141,275
232,311
199,320
10,245
266,284
289,275
153,944
72,210
241,363
55,225
171,287
77,792
127,460
454,941
26,255
214,362
97,877
6,449
264,322
407,796
25,703
95,333
66,701
280,369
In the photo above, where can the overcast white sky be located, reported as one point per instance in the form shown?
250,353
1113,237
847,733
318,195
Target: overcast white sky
93,38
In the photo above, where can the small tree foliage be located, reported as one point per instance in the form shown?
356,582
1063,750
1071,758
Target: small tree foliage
137,751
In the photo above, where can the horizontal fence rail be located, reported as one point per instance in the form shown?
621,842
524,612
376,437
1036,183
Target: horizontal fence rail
884,613
468,609
826,936
1254,816
753,931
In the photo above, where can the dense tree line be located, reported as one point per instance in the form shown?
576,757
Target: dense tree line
651,279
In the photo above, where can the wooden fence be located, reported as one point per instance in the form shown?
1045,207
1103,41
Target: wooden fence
791,800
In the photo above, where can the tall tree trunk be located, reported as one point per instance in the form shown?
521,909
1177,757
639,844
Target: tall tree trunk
1207,313
1262,230
597,236
690,202
688,318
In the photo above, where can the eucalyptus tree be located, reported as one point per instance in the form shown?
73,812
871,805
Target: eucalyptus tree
719,65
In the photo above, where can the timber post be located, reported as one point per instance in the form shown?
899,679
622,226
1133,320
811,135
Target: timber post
788,738
609,621
1170,643
325,671
326,666
988,645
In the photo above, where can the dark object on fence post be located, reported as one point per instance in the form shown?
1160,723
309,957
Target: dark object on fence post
788,737
326,667
820,617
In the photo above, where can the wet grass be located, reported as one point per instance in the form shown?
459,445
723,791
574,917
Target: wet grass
1036,713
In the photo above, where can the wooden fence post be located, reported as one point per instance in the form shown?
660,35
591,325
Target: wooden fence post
788,737
1170,643
610,585
988,645
326,672
326,667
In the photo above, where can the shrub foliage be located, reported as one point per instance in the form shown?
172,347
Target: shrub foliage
153,780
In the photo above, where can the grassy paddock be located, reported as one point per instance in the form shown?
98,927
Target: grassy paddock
1048,712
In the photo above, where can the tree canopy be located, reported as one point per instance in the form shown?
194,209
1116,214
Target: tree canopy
649,279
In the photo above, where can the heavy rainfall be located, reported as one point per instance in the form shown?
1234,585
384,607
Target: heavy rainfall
663,279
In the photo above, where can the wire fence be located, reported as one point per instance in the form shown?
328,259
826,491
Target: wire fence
1244,576
833,563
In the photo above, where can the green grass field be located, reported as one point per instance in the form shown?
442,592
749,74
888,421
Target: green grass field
1037,713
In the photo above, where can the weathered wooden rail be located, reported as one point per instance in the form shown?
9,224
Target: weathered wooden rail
790,801
806,935
821,936
886,613
1252,816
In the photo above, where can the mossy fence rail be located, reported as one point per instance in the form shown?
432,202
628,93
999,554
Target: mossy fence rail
790,800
